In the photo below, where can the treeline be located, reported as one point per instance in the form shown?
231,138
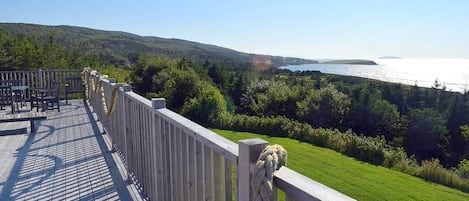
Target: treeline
26,53
426,122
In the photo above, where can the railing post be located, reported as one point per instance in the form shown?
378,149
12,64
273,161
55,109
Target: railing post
125,88
39,75
249,151
158,103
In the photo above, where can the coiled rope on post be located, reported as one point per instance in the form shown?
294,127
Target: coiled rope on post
113,98
270,160
85,76
95,86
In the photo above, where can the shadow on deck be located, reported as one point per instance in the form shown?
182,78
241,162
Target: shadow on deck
65,159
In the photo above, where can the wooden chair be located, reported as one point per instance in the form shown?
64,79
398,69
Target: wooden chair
6,97
18,96
73,85
47,98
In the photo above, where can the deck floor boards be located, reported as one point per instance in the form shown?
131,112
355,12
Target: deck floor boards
65,159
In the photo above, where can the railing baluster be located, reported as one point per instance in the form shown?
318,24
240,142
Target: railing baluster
207,173
228,184
216,176
185,165
192,171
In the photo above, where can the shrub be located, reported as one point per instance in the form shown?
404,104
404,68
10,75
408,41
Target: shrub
397,158
207,107
432,170
463,169
364,148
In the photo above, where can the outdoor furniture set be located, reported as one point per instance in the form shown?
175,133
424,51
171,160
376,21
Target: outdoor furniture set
13,93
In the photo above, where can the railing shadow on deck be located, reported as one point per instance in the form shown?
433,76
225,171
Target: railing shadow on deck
111,164
173,158
12,177
22,153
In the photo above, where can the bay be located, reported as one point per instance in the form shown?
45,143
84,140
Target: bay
452,73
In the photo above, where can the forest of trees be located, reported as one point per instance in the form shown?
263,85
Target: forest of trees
420,131
389,124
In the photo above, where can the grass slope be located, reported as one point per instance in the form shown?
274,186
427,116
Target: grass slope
357,179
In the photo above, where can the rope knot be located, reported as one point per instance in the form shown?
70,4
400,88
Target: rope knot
271,159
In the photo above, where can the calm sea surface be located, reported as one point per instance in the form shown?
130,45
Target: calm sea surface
453,73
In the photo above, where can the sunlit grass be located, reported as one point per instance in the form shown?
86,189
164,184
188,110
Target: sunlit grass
357,179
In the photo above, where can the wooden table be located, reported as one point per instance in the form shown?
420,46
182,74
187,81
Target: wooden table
29,116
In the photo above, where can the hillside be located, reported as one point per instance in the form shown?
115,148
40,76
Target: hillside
357,179
124,46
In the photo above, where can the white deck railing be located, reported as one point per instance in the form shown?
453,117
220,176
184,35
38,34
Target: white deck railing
173,158
39,78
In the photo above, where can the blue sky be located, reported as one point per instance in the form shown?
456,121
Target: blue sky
309,29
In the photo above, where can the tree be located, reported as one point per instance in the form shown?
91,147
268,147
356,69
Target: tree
324,108
463,168
206,107
414,99
386,119
183,86
427,135
144,76
218,76
240,85
465,132
270,98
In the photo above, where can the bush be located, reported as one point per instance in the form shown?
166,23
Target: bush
432,170
364,148
463,169
397,158
206,107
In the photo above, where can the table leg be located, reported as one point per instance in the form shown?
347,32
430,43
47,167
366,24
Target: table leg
44,105
32,125
13,102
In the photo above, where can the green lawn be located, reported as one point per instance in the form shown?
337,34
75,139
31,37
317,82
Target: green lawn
357,179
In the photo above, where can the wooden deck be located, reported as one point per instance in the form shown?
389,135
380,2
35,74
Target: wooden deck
66,159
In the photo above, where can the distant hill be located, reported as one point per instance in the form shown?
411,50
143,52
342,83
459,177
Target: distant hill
351,61
126,45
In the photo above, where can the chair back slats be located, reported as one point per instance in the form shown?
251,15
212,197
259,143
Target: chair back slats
6,96
11,82
55,89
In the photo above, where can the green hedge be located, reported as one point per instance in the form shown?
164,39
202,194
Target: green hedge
374,150
364,148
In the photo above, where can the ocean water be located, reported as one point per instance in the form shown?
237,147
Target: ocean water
452,73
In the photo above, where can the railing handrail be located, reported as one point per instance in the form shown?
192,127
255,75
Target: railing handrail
41,70
300,187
